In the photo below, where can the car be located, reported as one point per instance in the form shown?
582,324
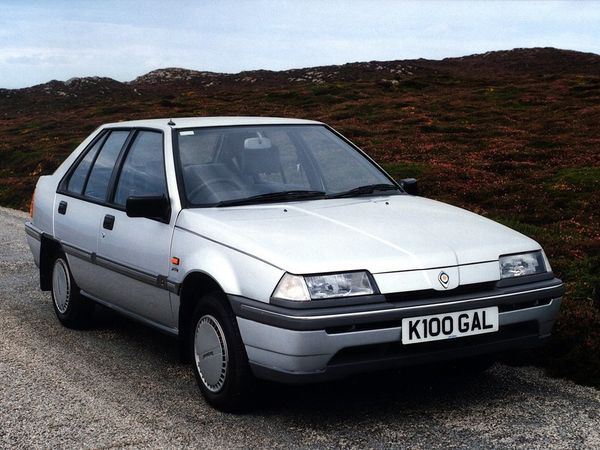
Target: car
275,248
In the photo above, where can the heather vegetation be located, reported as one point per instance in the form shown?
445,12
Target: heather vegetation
510,135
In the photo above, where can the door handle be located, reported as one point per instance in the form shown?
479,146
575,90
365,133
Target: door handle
62,207
109,222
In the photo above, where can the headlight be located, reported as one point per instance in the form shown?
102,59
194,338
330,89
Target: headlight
523,264
315,287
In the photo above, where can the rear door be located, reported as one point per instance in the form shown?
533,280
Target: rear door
134,253
77,209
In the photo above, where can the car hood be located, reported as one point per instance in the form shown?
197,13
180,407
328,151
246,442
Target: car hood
379,234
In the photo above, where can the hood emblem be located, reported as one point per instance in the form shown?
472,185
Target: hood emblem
444,279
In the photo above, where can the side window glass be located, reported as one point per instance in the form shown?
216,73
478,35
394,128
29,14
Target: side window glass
143,172
77,179
97,184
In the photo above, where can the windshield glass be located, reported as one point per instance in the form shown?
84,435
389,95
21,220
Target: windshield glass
221,165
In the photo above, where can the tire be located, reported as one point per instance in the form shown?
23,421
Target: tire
71,308
218,356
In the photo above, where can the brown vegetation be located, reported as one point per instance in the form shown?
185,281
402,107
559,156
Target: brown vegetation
510,135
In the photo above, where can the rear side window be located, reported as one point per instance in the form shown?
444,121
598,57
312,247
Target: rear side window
97,185
77,180
143,171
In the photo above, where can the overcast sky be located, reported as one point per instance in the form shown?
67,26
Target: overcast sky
44,40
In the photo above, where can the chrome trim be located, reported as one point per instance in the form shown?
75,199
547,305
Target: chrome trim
391,310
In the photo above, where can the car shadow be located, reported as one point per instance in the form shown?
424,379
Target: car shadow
379,394
106,321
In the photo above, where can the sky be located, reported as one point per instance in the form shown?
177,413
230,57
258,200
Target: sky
44,40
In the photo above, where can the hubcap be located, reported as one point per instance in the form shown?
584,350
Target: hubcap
210,352
61,286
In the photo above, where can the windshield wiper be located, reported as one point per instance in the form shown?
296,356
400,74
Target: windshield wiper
365,190
272,197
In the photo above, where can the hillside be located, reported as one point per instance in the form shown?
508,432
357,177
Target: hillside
513,135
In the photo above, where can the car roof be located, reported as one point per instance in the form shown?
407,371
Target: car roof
191,122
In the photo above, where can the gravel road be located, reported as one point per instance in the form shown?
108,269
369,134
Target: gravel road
121,385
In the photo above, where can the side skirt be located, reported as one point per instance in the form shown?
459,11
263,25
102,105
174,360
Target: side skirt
168,330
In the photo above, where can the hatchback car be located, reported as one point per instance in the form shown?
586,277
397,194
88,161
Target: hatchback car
275,248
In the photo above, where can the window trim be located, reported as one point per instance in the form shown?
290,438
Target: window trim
186,204
112,173
64,181
120,163
107,202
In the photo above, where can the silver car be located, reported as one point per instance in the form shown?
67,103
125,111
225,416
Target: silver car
275,248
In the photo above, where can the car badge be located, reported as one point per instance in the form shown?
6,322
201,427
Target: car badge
444,279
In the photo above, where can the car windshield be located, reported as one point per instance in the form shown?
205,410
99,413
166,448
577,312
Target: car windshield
225,166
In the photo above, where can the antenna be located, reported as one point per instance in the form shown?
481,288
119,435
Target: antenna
171,123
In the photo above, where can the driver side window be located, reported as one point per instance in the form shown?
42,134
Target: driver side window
143,171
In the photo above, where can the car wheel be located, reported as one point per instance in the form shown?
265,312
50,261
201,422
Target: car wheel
72,309
219,357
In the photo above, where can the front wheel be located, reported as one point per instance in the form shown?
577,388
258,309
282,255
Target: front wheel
218,355
71,308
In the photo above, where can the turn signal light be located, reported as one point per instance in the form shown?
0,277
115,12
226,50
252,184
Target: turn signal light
175,260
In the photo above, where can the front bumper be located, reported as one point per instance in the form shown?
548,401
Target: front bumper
312,344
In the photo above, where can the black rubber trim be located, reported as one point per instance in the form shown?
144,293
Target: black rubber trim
159,281
322,318
33,231
78,252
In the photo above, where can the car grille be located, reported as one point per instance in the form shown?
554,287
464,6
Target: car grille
467,289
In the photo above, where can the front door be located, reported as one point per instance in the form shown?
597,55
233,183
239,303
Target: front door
133,253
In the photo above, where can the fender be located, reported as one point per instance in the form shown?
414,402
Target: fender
237,273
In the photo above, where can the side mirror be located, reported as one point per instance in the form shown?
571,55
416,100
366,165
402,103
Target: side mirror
410,186
150,207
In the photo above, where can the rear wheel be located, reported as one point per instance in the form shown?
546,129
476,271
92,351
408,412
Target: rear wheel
218,355
71,308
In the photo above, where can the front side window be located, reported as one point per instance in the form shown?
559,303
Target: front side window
143,171
97,185
227,165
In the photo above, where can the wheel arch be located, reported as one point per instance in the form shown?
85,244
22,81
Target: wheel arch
195,285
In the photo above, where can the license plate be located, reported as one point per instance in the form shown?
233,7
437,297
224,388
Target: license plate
449,325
